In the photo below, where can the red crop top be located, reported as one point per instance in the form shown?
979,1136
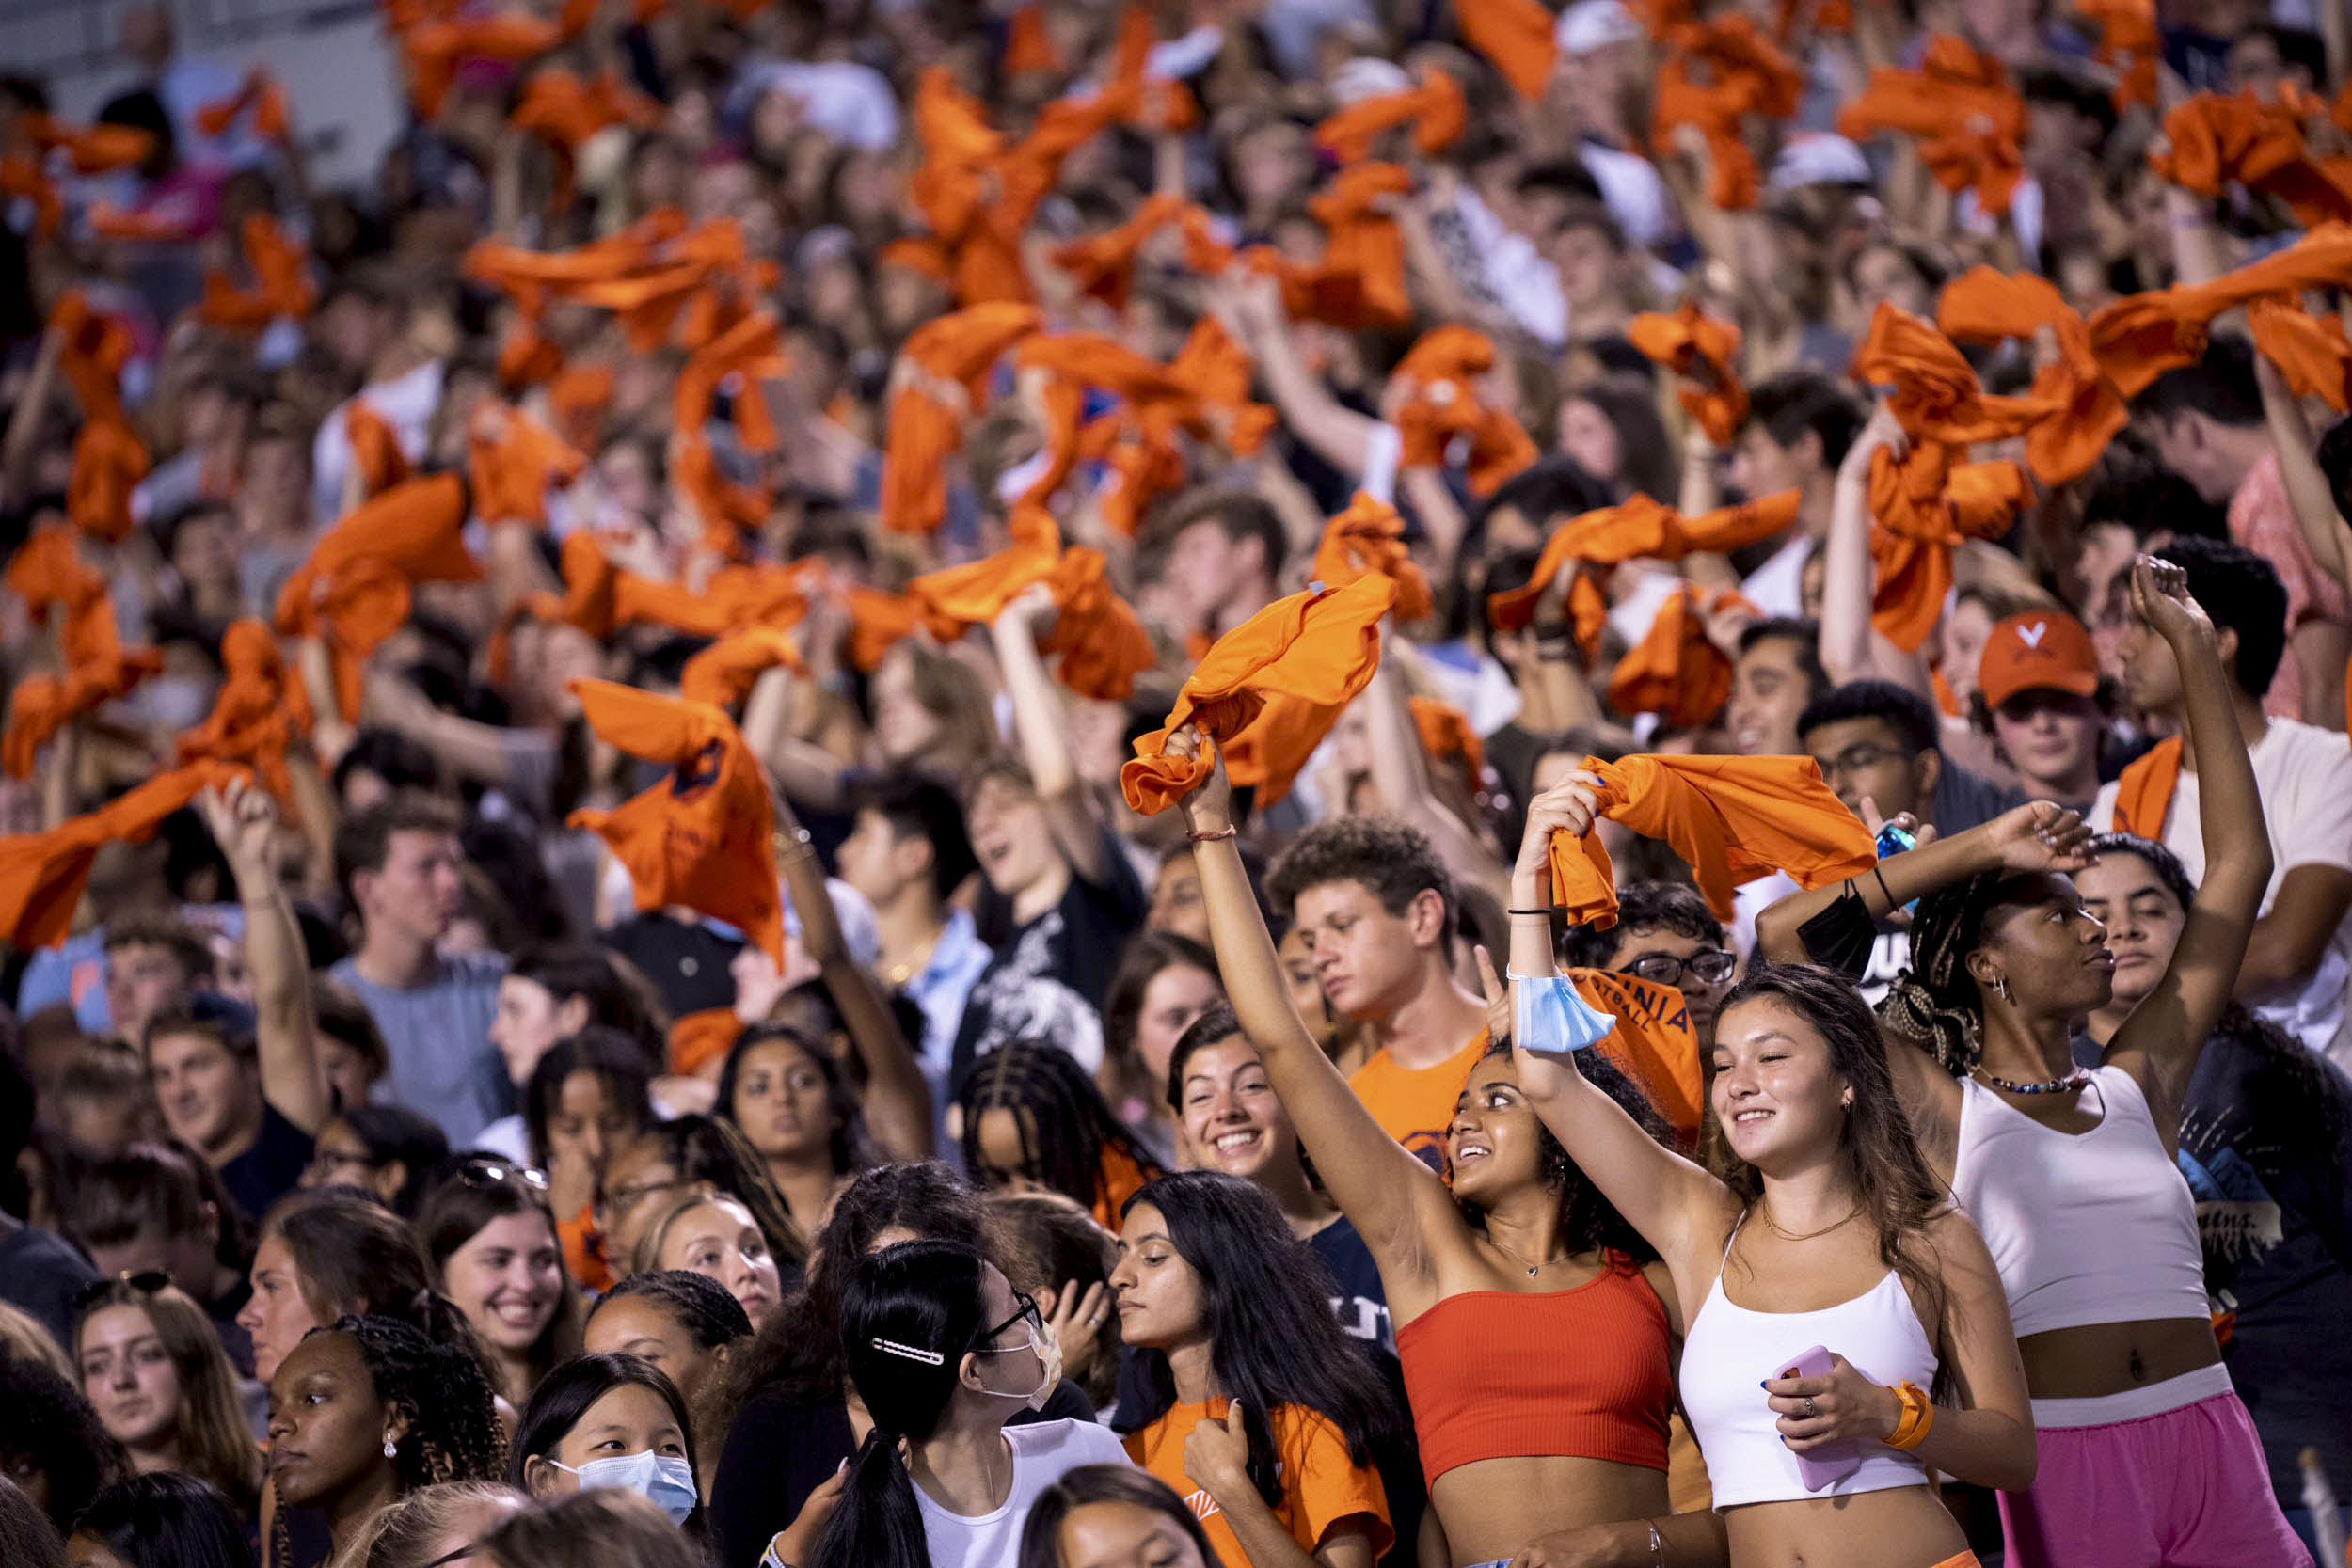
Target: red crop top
1579,1373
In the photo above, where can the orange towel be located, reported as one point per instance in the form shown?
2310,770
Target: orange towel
91,148
2311,352
722,674
702,1040
94,349
42,874
1960,107
702,838
1317,649
578,399
2145,791
2129,43
1639,530
1028,46
1442,372
1103,265
2243,140
1701,349
1097,639
1652,1041
1360,283
747,352
282,281
1983,306
108,460
1675,670
44,704
975,594
1446,733
1732,818
725,508
259,709
22,178
432,48
1433,109
558,106
1716,75
939,381
1518,36
1369,537
879,620
375,453
262,95
511,459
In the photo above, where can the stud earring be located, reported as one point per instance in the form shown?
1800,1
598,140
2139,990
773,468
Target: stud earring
392,1448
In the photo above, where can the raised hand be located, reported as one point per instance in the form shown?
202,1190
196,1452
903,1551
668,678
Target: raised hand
1571,806
1208,809
2161,601
243,822
2038,836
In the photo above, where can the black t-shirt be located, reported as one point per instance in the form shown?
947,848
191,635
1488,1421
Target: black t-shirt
268,1170
1047,980
687,963
41,1274
779,1449
1965,800
1357,1299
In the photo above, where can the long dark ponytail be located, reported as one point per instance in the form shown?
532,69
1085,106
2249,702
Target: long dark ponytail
908,1316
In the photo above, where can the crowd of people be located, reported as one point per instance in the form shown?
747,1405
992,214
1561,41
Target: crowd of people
1182,784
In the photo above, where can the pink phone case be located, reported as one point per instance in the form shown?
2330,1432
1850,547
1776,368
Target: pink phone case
1822,1468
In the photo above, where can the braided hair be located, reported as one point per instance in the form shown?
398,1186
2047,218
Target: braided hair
1064,1125
1934,1002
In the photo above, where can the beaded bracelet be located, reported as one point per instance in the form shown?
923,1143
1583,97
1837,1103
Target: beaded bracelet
1917,1416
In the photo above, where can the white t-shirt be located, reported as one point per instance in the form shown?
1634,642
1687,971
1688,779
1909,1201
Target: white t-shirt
1777,587
406,403
2305,775
1041,1454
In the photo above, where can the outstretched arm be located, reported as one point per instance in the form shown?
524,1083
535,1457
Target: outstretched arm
1038,724
1852,647
243,821
2158,1045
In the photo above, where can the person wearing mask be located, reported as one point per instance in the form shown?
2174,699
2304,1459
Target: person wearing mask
608,1421
687,1326
157,1376
492,1244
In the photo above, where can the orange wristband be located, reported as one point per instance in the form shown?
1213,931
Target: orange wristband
1917,1416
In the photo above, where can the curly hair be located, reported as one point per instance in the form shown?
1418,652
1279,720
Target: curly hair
46,1421
1395,861
1588,1221
1934,1001
453,1429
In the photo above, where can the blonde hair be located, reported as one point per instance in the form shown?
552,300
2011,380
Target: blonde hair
215,1439
23,1338
403,1534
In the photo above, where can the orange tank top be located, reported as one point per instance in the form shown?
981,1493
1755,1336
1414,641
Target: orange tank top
1581,1374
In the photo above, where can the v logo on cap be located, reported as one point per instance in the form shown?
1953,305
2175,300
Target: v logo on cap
2031,636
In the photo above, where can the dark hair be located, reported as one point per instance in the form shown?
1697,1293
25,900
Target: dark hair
566,1394
353,1254
144,1186
453,1430
850,1148
1392,859
1145,954
589,1529
1646,454
1265,1310
1890,1178
1588,1221
26,1537
2221,386
344,1016
45,1419
1547,491
396,1133
911,1313
712,1150
1909,715
1795,402
1216,1024
1934,1001
457,1210
1805,633
569,970
702,1306
1240,514
2335,461
1066,1127
2138,493
184,941
1676,907
1045,1236
364,839
918,807
403,763
2240,591
1086,1484
167,1520
613,1058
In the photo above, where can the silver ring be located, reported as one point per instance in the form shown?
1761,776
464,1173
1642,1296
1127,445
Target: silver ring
1808,1407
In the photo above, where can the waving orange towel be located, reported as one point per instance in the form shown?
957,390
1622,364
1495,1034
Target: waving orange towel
511,460
700,837
1960,107
1518,36
879,620
375,453
1028,45
1983,306
2245,140
2311,352
353,590
1317,649
1675,670
2140,335
579,397
1097,637
431,50
941,379
1103,265
1445,732
566,111
723,673
955,597
1369,537
2129,45
1639,530
281,283
1732,818
262,95
1360,283
1443,371
93,149
702,1040
1716,75
259,709
42,874
1433,109
93,349
98,670
748,352
725,509
108,460
1700,349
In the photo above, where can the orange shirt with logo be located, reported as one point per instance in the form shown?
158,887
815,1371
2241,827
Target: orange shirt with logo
1416,1106
1320,1487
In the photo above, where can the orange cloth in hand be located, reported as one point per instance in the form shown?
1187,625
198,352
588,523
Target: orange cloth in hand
1981,306
975,594
1675,670
1103,265
282,281
1700,349
747,350
2143,794
42,874
1732,818
108,460
1101,643
700,837
260,94
2249,141
1969,121
1317,649
375,453
1716,75
511,459
2311,352
1442,372
1518,36
1435,109
94,349
940,380
723,673
1369,537
1445,732
43,704
259,709
702,1040
1359,282
93,149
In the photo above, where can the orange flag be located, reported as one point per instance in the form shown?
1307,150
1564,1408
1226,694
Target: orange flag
259,709
1701,349
2245,140
702,838
1959,107
282,281
1518,36
1676,671
939,381
1315,649
1369,537
1445,732
42,874
1442,372
1733,820
1433,109
1739,74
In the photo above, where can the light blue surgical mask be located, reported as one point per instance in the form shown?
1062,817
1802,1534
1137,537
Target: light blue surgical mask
662,1479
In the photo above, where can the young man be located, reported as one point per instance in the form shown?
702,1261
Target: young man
398,862
2039,676
2299,962
907,854
1800,424
1664,933
1375,908
207,1067
1221,559
2207,424
1778,672
154,963
146,1210
1877,741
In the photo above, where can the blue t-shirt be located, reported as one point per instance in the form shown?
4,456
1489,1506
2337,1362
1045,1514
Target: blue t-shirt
438,1036
268,1170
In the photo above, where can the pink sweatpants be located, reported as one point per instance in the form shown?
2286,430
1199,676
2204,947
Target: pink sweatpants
2184,1489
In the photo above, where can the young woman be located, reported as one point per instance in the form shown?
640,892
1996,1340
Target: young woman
161,1521
2070,1173
434,1526
686,1324
550,994
1485,1281
368,1410
794,1103
943,1352
1274,1412
587,1101
491,1241
388,1151
155,1372
603,1526
608,1420
1045,1236
695,1153
331,1254
1031,1116
1163,983
1112,1517
713,1235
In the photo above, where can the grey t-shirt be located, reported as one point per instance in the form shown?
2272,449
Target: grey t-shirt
439,1035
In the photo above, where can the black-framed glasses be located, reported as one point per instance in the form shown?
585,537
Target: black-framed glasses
1859,757
1711,967
146,1282
1028,1313
480,1172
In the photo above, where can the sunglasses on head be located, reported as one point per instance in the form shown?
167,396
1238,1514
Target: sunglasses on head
146,1282
480,1172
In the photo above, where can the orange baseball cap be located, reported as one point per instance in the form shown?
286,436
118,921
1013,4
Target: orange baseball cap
2040,650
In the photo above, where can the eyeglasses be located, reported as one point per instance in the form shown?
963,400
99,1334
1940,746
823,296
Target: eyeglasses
1028,1314
498,1173
629,1197
1855,759
146,1282
1711,967
326,1162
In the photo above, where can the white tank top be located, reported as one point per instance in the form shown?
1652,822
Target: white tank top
1730,1348
2088,1228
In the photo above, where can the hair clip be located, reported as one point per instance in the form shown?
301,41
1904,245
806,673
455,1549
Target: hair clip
892,1347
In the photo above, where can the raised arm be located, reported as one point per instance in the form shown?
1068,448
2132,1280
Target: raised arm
1400,767
1393,1200
2159,1043
243,821
1678,1208
1852,647
1255,314
1042,730
2309,495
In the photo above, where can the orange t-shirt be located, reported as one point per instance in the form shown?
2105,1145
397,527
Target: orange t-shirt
1416,1106
1121,1180
1320,1487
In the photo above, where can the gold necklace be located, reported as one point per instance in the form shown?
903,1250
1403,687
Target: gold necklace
1772,1226
1524,1263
